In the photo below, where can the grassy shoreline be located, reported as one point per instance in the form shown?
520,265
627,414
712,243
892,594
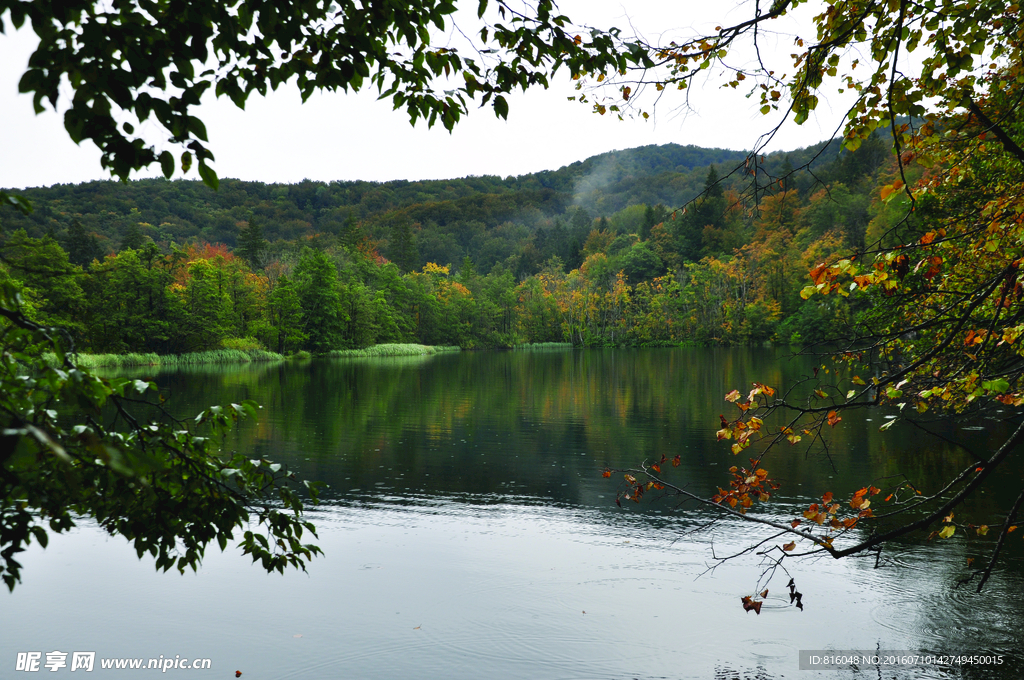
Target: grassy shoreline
392,350
132,359
238,356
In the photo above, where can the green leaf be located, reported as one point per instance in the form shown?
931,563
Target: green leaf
210,178
999,385
501,107
167,164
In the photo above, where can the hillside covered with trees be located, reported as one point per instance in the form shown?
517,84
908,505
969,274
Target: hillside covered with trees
660,245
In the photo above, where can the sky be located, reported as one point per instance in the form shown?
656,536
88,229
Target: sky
338,136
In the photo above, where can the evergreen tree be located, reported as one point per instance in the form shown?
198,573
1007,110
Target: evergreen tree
786,173
82,246
252,247
316,281
350,234
650,219
706,212
466,270
132,239
402,250
286,316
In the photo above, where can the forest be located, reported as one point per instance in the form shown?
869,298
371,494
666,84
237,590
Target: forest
655,246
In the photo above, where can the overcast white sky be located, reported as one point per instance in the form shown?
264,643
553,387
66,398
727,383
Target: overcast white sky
345,136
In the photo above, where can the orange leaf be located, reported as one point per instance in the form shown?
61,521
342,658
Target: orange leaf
606,473
795,523
789,547
833,418
676,461
656,467
827,498
751,604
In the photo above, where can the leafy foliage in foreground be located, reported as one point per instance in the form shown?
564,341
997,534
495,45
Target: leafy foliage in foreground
168,486
940,300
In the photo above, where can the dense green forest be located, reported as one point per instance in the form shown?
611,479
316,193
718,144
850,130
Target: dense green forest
660,245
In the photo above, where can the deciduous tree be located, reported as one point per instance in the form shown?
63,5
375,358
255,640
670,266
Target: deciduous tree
942,304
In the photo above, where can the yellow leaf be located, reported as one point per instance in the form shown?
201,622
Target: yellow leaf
947,531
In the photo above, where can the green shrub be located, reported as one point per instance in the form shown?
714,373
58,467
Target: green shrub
247,344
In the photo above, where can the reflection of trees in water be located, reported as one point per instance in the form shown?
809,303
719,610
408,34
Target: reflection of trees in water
511,428
531,422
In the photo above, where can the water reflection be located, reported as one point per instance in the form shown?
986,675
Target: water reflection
469,534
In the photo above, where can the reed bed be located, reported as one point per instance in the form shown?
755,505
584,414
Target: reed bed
393,350
220,356
131,359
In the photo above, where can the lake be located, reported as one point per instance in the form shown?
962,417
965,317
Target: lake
469,533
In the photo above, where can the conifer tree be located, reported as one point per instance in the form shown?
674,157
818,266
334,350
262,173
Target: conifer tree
133,239
252,247
82,246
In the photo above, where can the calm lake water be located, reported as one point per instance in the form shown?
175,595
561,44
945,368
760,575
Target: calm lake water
469,534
